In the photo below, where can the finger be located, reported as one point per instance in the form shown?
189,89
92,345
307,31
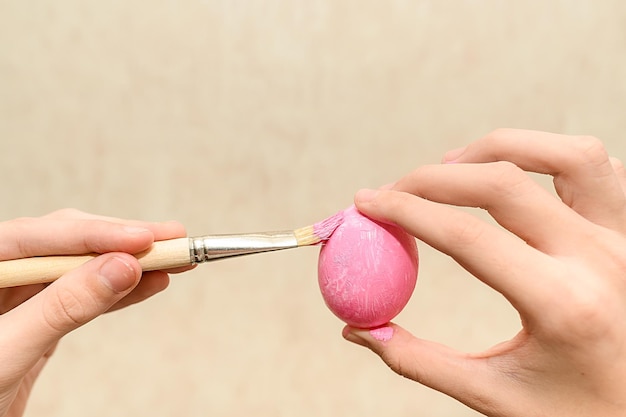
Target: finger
12,297
151,283
512,198
498,258
469,380
28,237
161,230
583,175
76,298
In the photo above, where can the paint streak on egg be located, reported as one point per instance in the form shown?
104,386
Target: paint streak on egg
367,270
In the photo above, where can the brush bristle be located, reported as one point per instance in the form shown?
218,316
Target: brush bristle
319,232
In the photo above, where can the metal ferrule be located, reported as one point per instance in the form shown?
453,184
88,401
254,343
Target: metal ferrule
207,248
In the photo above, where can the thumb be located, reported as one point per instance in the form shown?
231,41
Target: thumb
73,300
459,375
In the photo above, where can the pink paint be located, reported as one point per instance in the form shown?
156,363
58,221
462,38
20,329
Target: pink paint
367,270
324,229
382,334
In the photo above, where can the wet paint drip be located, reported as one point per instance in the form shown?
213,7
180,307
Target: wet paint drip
382,334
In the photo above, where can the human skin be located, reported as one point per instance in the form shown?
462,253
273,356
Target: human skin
559,260
35,317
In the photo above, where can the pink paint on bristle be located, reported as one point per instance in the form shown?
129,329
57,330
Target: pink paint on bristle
326,227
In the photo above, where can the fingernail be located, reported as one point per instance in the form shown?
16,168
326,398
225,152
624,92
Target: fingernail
365,337
354,336
453,155
117,274
359,336
366,195
135,230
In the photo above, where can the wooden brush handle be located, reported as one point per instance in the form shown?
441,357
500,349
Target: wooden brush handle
165,254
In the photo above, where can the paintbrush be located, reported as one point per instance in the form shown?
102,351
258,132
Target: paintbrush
174,253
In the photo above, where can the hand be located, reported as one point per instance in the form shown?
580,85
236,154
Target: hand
33,318
562,267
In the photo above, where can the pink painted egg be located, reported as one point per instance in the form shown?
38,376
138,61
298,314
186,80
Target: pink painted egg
367,270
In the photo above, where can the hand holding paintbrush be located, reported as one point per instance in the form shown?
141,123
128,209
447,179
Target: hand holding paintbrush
171,253
90,256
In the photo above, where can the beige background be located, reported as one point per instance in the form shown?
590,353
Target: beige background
234,116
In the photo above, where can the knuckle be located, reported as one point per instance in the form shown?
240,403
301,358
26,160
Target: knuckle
507,179
410,182
498,133
497,136
393,362
465,233
65,310
16,232
588,313
508,172
589,150
398,364
399,199
65,213
393,203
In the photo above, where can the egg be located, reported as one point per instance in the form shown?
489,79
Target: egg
367,270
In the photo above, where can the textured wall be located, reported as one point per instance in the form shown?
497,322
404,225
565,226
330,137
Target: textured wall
234,116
